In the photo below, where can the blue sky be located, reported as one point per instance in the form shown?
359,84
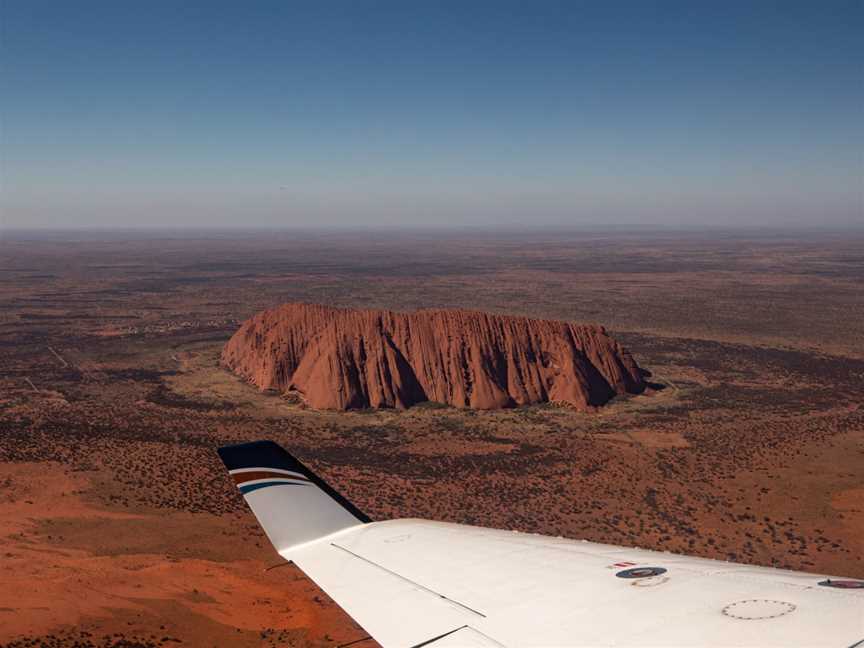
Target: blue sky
367,113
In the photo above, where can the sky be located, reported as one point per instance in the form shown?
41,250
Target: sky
431,113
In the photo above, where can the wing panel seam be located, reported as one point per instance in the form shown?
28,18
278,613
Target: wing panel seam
408,580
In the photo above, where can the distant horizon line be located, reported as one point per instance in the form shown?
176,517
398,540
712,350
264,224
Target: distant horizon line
509,227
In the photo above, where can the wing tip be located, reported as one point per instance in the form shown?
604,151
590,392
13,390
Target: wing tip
269,454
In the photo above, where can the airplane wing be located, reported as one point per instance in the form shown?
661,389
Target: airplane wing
413,583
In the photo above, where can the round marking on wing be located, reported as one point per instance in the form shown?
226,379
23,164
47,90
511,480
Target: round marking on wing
842,583
758,609
641,572
651,581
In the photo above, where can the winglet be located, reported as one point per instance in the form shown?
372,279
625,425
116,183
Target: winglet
292,504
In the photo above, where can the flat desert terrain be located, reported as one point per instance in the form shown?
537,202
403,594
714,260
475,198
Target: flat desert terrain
120,528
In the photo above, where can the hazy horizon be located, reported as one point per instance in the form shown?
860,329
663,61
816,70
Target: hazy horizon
754,231
214,115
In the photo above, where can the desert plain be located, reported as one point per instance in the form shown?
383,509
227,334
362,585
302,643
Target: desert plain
119,526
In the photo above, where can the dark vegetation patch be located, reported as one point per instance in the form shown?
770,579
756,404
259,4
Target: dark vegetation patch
83,639
137,375
165,397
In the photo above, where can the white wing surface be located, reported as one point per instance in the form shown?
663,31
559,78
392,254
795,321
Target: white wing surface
421,583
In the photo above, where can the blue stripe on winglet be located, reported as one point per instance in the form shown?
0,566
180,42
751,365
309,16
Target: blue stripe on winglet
252,487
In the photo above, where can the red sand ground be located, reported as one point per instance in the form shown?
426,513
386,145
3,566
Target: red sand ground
71,565
747,446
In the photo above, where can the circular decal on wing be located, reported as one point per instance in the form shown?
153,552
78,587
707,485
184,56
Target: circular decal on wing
757,609
641,572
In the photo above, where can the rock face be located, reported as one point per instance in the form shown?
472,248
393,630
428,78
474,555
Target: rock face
349,359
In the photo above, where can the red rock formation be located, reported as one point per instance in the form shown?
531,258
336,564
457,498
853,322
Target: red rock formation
347,359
